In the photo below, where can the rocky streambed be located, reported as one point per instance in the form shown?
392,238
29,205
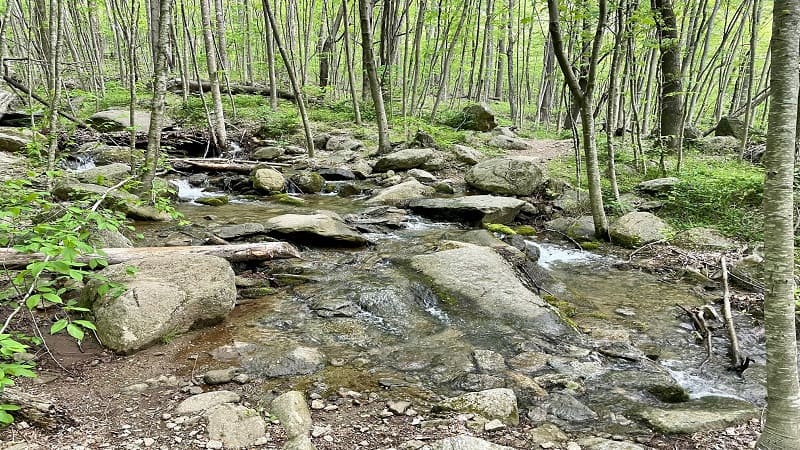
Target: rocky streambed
404,323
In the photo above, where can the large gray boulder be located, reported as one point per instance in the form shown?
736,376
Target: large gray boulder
319,229
478,117
467,155
107,175
119,120
478,279
269,181
581,228
703,414
658,185
122,201
500,404
401,193
730,126
638,228
472,210
465,442
510,175
308,182
342,143
405,159
719,145
163,296
16,139
12,166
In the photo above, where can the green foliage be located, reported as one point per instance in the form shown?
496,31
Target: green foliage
721,193
31,223
278,124
525,230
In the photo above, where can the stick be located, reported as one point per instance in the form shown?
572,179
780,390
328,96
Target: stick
734,352
566,236
630,257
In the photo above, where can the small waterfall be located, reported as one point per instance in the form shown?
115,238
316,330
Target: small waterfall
187,192
80,163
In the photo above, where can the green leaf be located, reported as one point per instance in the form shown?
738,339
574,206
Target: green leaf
6,418
75,331
58,326
7,407
33,301
85,324
52,298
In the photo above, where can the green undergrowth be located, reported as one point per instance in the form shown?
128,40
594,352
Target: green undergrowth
714,191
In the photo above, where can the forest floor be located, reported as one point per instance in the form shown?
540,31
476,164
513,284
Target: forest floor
127,402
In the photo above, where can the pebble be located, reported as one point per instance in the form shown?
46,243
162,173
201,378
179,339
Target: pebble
166,416
214,444
398,407
331,408
327,438
573,446
147,442
318,431
317,404
411,412
242,378
547,445
494,425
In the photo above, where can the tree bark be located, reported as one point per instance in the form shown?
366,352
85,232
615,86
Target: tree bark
213,76
158,104
782,417
384,146
585,98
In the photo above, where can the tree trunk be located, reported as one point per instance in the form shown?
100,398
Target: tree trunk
158,104
384,146
351,73
298,93
213,76
782,417
585,98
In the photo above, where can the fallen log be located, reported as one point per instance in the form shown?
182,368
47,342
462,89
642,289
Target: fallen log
176,86
220,164
36,410
263,251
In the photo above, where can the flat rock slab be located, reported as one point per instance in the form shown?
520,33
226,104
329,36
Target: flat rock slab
405,159
318,229
500,404
704,414
401,193
471,210
478,280
199,403
236,426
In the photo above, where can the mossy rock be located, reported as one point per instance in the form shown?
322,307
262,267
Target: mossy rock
256,292
288,199
525,230
499,228
213,201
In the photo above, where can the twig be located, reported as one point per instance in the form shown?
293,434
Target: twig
108,191
24,297
633,253
566,236
734,352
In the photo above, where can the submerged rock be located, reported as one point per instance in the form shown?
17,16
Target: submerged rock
297,361
165,296
638,228
308,182
510,175
566,407
319,229
581,228
471,210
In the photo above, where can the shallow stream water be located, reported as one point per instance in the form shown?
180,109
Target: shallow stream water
375,320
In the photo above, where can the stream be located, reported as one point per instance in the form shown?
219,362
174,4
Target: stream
377,323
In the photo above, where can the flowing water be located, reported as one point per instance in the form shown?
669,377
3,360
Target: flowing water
374,319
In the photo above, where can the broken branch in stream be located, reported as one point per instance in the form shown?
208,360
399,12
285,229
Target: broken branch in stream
220,164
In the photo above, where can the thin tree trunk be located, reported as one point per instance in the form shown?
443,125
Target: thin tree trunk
298,93
782,418
384,146
158,105
213,76
351,76
751,73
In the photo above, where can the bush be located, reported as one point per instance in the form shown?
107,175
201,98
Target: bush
278,124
